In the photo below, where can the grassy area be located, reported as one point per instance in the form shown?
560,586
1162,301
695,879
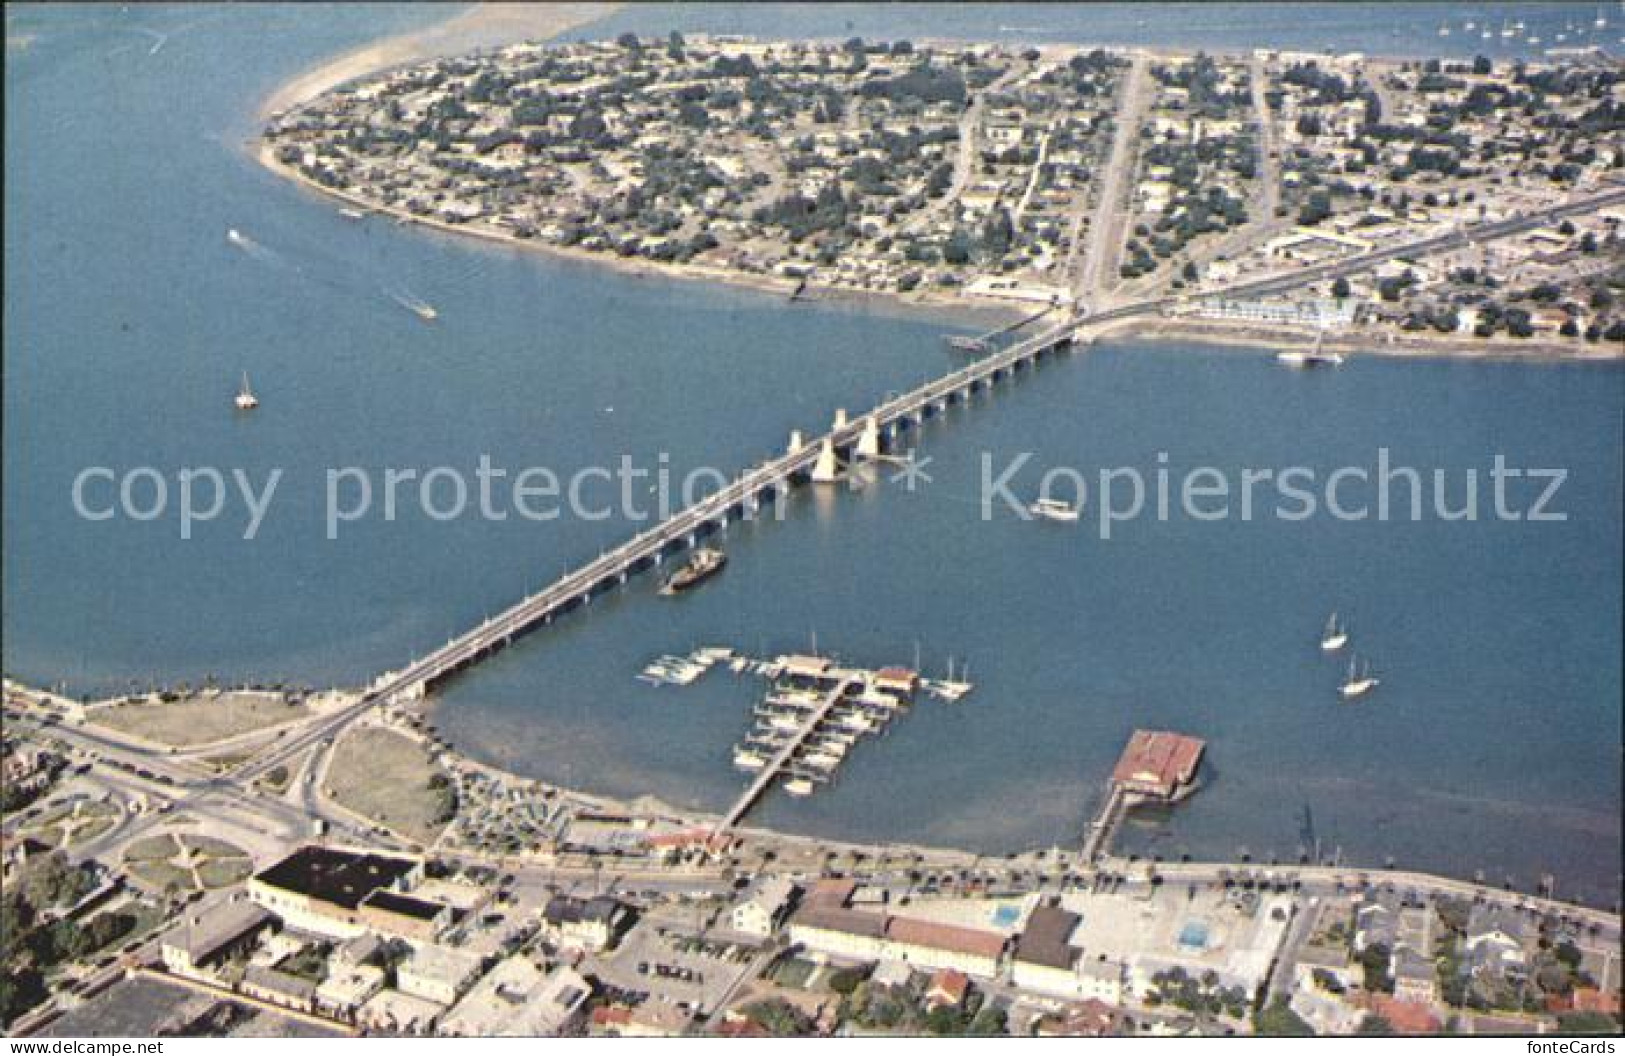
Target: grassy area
793,972
385,776
161,875
187,862
223,872
153,848
199,720
209,847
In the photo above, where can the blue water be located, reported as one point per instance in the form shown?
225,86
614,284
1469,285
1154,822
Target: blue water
1492,744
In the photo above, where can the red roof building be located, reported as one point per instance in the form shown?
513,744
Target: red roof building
948,989
1158,763
1406,1017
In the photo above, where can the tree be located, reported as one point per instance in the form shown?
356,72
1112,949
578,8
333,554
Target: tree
1374,959
1340,287
1278,1020
1374,1024
1587,1023
989,1022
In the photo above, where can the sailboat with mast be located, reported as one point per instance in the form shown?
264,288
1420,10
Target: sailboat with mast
246,400
1334,637
1359,680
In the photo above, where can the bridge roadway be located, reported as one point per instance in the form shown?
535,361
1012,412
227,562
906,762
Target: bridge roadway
777,474
740,497
759,785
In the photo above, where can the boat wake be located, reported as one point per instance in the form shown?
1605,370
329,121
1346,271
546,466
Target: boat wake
416,305
251,247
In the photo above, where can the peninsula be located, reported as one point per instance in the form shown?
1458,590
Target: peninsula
1246,193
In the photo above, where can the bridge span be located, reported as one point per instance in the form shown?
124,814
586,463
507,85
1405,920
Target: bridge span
817,459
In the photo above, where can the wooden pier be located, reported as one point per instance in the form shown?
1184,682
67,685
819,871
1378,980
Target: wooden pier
776,765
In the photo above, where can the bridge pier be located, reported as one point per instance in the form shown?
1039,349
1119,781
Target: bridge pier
869,440
827,470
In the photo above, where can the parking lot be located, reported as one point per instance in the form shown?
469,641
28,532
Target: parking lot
678,967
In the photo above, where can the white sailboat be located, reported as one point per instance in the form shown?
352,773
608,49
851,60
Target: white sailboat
246,400
1334,637
1359,681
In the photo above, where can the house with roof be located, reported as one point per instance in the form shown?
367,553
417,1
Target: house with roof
1086,1019
346,989
763,908
947,988
1415,976
437,973
1496,939
1376,923
1158,764
203,941
1044,961
1326,1010
276,987
520,999
590,924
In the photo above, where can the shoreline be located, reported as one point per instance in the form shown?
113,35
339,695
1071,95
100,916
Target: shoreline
478,26
649,805
1221,334
493,24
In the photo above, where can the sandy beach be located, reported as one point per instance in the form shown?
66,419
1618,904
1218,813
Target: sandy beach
482,26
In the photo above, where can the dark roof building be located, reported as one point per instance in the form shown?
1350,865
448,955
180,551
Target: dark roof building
340,878
1044,940
330,891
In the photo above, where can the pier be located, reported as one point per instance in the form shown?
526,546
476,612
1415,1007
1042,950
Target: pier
1097,838
775,766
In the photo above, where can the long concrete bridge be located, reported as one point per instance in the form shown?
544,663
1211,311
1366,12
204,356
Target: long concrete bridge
863,437
817,459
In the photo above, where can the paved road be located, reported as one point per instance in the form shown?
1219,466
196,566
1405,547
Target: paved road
1105,241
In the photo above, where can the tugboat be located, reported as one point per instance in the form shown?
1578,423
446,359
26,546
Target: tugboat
705,563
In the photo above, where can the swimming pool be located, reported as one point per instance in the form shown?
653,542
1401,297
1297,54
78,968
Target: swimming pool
1193,935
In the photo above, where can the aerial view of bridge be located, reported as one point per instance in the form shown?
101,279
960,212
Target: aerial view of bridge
858,438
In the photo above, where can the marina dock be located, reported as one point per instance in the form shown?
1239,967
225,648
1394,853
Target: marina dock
778,764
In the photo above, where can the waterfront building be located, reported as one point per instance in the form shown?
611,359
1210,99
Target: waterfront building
1158,764
825,924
